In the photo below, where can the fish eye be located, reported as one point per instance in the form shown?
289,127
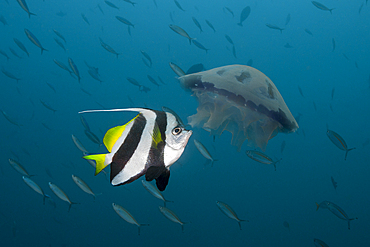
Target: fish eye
176,130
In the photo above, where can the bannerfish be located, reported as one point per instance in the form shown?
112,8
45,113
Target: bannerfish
147,145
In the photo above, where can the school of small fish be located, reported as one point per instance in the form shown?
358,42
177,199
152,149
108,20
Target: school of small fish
145,147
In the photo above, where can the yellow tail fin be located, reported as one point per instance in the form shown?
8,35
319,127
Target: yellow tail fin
99,160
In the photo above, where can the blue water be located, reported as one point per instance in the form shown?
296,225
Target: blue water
255,191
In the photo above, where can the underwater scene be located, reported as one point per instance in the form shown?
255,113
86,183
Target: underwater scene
185,123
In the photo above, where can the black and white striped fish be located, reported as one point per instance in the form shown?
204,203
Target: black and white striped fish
147,145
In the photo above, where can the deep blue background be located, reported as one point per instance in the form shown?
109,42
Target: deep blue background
255,191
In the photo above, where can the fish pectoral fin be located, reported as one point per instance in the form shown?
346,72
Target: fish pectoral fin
156,136
100,161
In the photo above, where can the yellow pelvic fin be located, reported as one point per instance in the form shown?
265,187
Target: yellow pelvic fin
113,134
156,136
99,159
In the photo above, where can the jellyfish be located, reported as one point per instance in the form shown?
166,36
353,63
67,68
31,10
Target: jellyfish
241,100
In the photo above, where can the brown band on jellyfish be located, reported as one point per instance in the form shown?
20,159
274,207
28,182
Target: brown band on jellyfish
241,100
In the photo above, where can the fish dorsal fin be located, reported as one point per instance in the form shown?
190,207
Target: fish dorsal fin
113,134
156,136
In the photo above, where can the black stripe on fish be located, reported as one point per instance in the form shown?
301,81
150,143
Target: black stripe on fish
155,161
156,167
127,149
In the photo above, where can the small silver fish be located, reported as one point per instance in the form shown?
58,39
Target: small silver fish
19,168
111,4
74,68
47,106
83,186
172,216
178,5
147,57
10,75
261,158
319,243
129,1
229,39
62,65
108,48
196,22
154,191
34,40
321,6
125,21
199,45
60,43
334,183
336,210
308,31
124,214
14,53
61,194
210,25
24,6
229,212
79,144
4,54
177,69
338,141
203,150
92,137
275,27
181,31
60,35
35,187
21,46
10,119
287,20
244,15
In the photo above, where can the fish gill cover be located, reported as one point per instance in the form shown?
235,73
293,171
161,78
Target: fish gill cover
323,75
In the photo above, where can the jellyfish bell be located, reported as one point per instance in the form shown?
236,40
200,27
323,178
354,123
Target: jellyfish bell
239,99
